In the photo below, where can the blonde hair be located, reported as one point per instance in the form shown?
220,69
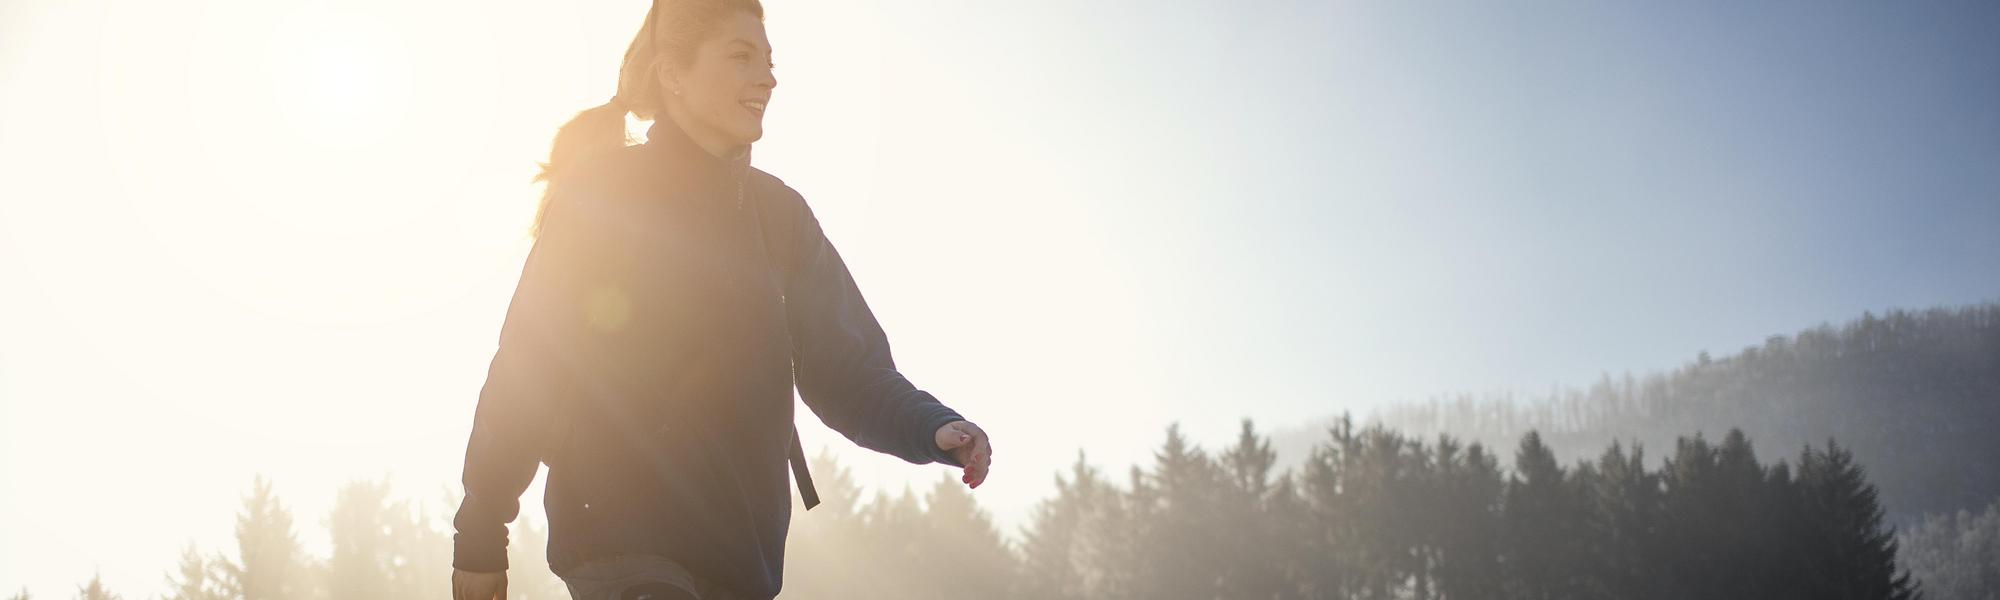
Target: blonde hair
672,31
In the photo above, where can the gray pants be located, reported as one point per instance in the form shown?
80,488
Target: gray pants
639,577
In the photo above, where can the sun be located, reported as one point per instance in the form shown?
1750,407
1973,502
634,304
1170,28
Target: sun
340,79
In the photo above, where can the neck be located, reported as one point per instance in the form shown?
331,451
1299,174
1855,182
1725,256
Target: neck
687,156
722,149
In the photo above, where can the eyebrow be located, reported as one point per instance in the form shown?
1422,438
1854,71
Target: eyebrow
747,43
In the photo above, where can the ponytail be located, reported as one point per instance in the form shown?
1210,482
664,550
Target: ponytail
669,33
592,131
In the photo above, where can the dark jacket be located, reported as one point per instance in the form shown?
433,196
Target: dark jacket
649,355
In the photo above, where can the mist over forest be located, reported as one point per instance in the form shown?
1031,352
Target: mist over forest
1836,462
1915,395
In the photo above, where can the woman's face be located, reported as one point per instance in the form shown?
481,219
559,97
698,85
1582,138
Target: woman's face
724,92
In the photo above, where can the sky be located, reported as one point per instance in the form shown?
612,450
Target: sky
278,237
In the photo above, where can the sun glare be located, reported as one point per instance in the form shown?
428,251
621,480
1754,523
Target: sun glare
337,80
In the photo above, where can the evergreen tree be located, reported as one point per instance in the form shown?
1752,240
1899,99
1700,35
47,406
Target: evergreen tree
896,530
1469,489
196,579
270,565
825,542
1082,542
363,556
1622,503
1253,535
1119,531
1385,476
1541,533
1180,543
95,591
1724,522
1287,514
1050,555
420,534
959,549
1852,553
1330,562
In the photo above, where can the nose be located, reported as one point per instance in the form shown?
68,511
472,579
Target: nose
770,79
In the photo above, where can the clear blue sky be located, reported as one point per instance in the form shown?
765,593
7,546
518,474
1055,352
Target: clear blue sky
1078,221
1436,198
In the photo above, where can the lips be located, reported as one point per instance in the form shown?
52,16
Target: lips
755,105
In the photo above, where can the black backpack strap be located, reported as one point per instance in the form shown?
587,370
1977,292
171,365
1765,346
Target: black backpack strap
806,491
797,456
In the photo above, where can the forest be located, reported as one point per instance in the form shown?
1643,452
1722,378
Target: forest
1372,514
1914,394
1872,484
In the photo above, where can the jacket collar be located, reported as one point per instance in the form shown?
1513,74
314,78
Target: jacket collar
679,153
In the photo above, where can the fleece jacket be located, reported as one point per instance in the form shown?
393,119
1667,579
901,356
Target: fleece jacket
669,306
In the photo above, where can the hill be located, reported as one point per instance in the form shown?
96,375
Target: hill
1914,394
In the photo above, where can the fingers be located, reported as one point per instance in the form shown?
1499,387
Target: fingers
501,594
979,457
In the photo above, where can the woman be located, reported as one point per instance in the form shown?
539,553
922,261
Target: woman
673,298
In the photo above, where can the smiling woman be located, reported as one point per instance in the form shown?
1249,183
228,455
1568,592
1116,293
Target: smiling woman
666,414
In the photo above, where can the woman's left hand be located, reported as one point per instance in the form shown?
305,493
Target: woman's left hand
969,444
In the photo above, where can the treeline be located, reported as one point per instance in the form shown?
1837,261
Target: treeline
1957,555
1371,514
1910,393
1376,514
381,549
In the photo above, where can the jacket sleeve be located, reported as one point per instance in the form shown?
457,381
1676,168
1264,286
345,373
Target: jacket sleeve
513,422
841,357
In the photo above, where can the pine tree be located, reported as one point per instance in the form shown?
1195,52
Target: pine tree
270,565
1852,554
1253,538
1081,543
196,580
822,547
960,549
1331,561
1051,559
895,528
1622,502
420,566
1180,542
1723,522
1468,487
362,555
95,591
1289,536
1386,476
1541,530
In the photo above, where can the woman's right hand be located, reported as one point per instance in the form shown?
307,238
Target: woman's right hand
467,585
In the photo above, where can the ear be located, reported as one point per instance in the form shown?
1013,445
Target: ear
668,80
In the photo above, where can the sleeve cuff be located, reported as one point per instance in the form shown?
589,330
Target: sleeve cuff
478,556
944,416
